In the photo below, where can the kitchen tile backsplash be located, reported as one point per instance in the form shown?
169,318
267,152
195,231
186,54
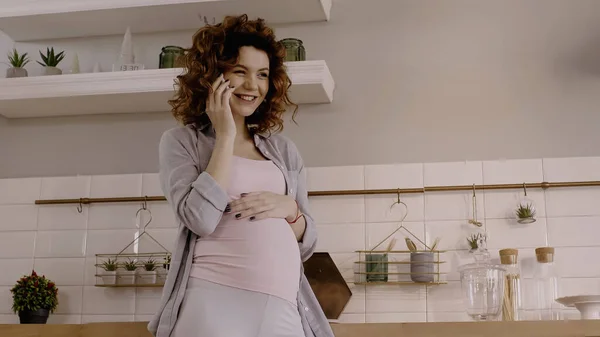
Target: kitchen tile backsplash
60,242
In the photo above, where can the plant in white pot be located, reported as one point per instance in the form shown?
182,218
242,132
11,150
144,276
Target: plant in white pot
127,276
109,276
148,275
17,63
51,60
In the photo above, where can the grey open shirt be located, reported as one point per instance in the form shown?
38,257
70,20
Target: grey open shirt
199,202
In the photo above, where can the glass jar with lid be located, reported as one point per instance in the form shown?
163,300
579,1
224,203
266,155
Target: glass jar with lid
546,283
511,301
482,286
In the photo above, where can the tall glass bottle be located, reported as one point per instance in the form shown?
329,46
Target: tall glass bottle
546,282
511,302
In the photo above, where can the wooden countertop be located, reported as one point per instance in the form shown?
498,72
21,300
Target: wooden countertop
462,329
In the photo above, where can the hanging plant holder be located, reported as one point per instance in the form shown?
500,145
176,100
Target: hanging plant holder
395,267
525,212
134,269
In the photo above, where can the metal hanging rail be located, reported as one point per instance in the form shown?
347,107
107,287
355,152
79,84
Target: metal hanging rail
542,185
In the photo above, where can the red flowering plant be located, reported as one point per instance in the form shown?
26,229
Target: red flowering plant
34,292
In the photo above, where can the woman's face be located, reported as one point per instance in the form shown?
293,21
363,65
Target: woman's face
250,77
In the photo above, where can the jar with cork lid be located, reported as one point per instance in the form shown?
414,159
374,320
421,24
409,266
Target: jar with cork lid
546,282
511,302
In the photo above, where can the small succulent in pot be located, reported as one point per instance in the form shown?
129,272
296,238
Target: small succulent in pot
525,213
149,274
130,265
109,276
51,61
127,276
17,62
150,264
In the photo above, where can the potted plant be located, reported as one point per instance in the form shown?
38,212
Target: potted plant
109,276
17,63
51,61
127,276
525,213
421,263
474,240
148,275
34,298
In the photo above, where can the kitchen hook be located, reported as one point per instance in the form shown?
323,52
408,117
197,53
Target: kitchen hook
474,221
80,206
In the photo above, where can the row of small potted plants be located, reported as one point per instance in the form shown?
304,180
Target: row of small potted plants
132,272
50,61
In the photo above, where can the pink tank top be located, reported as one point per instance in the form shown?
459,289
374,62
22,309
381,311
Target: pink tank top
260,255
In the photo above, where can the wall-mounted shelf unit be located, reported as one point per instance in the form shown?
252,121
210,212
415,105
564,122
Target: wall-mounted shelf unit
397,267
53,19
131,91
138,277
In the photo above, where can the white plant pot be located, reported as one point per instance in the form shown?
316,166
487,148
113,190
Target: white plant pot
109,277
161,276
16,72
52,71
126,277
147,277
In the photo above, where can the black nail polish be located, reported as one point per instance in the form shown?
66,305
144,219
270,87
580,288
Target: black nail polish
244,194
252,218
237,216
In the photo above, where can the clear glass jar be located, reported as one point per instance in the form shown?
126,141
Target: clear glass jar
546,282
512,300
482,285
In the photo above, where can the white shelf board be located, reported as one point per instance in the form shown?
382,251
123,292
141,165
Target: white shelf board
131,91
30,20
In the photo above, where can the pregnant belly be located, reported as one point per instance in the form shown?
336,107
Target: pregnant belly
258,255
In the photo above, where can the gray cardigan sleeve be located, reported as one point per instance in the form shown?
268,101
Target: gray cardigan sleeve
308,242
198,201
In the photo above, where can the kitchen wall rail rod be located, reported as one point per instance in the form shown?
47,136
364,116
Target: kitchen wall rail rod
542,185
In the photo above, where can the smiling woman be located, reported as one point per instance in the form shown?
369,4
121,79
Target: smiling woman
239,49
238,190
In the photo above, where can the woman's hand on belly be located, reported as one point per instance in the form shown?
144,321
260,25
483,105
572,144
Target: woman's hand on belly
263,205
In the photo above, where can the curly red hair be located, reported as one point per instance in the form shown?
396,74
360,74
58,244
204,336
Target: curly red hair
215,50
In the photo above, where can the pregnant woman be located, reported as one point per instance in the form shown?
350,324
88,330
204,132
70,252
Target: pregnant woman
238,190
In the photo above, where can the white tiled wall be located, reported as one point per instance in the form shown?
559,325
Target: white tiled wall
59,242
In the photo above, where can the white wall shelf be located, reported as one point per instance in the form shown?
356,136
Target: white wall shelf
30,20
131,91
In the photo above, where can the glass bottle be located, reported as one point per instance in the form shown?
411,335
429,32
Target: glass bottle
511,301
546,284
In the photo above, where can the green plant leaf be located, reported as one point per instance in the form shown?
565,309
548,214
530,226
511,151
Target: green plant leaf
51,59
16,60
